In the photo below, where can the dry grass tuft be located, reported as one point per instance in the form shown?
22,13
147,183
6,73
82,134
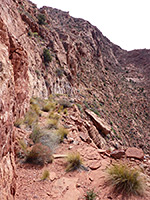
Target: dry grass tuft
74,161
125,180
53,115
30,118
49,106
24,147
45,175
52,123
62,132
36,109
18,122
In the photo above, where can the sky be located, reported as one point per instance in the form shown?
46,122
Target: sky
124,22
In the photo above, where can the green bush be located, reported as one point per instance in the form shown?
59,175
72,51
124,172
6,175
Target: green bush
59,72
90,195
41,19
47,56
125,180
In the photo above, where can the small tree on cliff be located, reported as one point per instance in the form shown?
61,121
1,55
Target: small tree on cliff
47,56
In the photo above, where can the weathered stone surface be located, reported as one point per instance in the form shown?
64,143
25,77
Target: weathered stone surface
94,164
96,137
117,154
102,126
53,176
133,152
65,189
85,137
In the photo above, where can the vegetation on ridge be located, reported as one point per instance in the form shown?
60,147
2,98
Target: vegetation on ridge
125,180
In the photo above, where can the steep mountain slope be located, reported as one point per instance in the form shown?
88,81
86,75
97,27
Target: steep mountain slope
93,72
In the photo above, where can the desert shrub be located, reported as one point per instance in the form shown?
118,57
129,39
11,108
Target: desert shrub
39,155
45,175
18,122
30,33
65,111
53,115
36,109
65,103
41,19
49,106
23,145
35,34
59,72
36,133
125,180
49,138
91,195
47,56
79,107
74,162
46,137
62,132
60,109
52,123
30,118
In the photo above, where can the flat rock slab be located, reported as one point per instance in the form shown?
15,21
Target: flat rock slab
94,164
100,124
133,152
65,189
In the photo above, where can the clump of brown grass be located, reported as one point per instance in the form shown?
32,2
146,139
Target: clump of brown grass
53,115
124,180
45,175
49,106
74,161
52,123
24,147
30,118
62,132
18,122
36,109
36,133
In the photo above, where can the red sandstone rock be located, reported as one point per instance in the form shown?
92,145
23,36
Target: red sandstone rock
102,126
84,136
94,164
117,154
133,152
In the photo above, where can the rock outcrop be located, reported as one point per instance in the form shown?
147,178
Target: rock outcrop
95,74
99,123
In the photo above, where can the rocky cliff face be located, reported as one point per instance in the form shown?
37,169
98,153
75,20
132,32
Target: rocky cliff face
85,65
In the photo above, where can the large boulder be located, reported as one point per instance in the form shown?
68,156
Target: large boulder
133,152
